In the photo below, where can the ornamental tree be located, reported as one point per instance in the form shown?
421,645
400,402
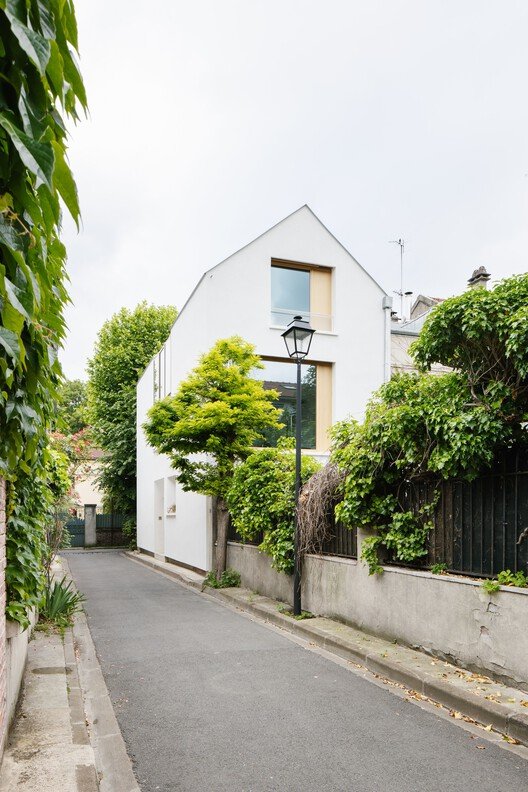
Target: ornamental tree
125,345
212,423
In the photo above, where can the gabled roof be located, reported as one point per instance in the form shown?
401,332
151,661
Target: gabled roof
280,222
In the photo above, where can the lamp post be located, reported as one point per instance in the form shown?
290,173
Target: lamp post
297,337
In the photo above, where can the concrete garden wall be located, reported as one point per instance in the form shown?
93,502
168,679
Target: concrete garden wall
452,617
16,656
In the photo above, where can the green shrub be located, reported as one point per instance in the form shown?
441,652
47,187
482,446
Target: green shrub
130,532
60,603
229,578
261,499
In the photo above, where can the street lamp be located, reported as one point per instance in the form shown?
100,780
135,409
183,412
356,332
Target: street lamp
297,337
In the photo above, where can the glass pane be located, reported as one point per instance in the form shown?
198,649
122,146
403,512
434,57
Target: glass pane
282,377
290,294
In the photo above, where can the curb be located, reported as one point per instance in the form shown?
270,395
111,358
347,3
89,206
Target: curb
512,724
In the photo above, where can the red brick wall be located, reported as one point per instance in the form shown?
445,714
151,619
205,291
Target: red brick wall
3,676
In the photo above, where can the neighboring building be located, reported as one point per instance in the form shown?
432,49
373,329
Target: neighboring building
403,333
86,489
297,267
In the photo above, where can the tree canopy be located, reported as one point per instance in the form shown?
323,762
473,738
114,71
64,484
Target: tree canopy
125,345
220,411
71,407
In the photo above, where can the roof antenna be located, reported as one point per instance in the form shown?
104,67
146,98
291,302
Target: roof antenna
401,243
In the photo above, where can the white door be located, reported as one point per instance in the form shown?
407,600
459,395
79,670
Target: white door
159,520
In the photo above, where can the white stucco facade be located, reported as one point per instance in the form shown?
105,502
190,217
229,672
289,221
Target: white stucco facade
234,298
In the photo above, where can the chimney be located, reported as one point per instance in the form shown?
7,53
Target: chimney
479,279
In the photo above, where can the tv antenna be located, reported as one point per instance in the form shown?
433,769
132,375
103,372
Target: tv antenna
401,243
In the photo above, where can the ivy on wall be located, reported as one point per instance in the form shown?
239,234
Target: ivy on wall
40,86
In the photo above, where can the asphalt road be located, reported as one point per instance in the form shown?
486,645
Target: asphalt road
209,700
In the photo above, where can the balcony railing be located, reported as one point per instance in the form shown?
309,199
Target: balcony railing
281,317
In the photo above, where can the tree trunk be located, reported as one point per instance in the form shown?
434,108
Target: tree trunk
222,525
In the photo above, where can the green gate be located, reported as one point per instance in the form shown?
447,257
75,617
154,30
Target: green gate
75,527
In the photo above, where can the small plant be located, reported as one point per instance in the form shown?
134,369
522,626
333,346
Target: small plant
287,611
491,586
509,578
229,578
439,569
506,578
60,603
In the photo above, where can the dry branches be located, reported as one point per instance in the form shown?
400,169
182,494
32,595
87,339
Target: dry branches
317,501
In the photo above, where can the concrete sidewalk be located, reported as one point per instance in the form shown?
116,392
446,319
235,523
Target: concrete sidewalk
65,737
466,695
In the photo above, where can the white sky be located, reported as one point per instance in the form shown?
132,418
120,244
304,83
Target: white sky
211,120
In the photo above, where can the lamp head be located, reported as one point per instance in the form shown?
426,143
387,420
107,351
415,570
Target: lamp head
298,337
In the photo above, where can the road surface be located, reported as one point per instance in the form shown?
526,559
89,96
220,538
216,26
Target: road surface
209,700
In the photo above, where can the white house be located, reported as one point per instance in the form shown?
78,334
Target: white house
296,267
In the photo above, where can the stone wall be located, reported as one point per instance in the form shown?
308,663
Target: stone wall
448,616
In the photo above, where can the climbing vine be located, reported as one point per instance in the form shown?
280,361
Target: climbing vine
424,425
40,85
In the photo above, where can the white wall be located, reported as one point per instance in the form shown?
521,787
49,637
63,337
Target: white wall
86,490
234,298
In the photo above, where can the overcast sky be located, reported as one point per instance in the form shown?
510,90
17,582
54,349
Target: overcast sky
210,120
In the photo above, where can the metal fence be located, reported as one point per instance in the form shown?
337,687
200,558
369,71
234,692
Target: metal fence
75,527
481,527
109,530
343,542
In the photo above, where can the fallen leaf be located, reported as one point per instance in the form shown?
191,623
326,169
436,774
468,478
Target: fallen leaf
524,703
510,740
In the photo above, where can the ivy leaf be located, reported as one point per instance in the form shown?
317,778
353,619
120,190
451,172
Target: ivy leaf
70,23
13,296
9,341
12,319
55,69
65,183
73,76
35,46
47,23
8,235
38,157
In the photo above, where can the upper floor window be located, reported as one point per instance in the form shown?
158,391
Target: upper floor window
290,294
301,290
160,375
